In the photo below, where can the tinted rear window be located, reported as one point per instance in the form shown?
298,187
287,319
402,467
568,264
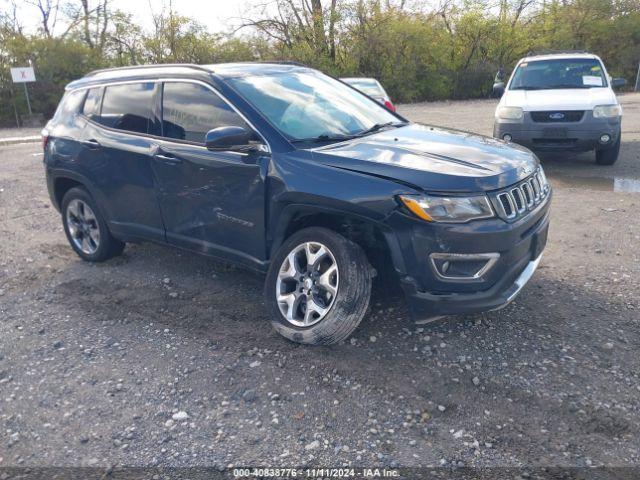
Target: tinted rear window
129,107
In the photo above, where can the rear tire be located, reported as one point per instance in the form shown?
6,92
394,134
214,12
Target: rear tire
608,156
295,287
86,229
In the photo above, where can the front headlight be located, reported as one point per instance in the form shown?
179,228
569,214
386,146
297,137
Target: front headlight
509,113
448,209
542,178
607,111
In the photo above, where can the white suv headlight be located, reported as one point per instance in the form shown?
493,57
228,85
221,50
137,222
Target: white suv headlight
607,111
448,209
509,113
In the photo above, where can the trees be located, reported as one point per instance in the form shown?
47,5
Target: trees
448,50
77,36
452,50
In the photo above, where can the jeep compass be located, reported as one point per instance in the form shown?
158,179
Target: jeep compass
290,172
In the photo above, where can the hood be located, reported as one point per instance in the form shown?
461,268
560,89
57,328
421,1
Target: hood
433,159
561,99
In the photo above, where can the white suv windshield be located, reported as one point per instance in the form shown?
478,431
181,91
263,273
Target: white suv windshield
309,105
558,73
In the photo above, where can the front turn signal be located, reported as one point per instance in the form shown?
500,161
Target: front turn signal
415,208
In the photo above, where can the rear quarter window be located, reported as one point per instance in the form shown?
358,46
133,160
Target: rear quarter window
91,107
129,107
69,105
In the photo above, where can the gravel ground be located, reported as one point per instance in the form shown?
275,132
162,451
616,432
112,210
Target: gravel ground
165,358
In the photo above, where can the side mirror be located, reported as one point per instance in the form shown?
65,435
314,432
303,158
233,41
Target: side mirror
228,138
498,90
618,82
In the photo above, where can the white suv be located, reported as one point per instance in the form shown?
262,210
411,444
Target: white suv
561,102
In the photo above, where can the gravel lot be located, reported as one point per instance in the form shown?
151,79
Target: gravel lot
165,358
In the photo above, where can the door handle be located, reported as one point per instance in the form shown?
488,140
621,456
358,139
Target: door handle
170,159
92,144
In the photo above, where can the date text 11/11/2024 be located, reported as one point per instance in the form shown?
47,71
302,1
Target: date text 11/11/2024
316,473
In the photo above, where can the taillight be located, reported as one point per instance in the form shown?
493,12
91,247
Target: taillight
45,139
389,105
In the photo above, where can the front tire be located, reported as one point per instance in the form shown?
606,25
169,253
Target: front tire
608,156
318,287
85,228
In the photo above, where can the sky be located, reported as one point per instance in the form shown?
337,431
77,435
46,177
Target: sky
216,15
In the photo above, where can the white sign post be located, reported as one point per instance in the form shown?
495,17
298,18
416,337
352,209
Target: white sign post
24,75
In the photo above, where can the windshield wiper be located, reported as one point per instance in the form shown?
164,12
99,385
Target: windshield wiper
324,138
566,85
551,87
528,88
377,127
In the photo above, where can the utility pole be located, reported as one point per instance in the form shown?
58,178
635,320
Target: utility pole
637,88
15,109
26,94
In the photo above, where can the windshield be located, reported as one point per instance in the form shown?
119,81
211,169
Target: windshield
309,105
559,73
370,87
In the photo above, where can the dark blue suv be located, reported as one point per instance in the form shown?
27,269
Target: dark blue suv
293,173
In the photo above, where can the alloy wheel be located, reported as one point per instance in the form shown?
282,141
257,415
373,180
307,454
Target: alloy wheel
307,284
83,226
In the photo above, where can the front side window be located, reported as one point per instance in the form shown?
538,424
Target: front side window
129,107
190,110
559,73
305,104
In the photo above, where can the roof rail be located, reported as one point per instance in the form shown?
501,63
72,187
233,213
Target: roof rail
276,62
149,66
285,62
554,52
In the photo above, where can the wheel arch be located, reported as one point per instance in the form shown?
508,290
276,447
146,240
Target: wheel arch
377,240
61,185
63,181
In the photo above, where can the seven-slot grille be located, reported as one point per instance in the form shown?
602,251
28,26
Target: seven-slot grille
522,198
557,116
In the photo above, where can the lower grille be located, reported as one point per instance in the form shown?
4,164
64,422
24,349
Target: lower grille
554,141
517,201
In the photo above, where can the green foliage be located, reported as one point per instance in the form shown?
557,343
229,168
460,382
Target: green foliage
56,62
417,55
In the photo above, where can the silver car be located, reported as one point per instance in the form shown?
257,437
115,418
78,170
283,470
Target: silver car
371,87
